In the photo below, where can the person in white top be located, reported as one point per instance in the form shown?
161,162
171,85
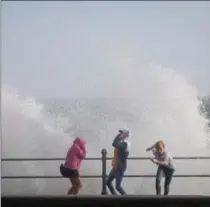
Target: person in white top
165,166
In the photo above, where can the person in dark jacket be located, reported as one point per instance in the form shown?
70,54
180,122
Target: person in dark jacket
119,162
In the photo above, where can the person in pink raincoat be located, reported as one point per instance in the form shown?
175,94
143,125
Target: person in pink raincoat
70,169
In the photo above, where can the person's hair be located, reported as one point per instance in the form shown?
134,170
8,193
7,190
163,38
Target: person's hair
159,144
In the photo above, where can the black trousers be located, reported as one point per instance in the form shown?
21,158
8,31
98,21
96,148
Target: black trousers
168,173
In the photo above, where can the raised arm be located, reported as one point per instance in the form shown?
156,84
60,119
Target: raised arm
150,148
117,143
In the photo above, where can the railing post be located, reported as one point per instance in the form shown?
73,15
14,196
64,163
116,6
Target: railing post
104,159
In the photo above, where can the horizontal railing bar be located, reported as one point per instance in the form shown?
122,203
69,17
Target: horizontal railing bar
176,158
47,176
99,176
97,158
43,159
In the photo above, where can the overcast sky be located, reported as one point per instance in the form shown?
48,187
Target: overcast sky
52,48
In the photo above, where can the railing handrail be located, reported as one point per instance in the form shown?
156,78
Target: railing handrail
103,175
99,158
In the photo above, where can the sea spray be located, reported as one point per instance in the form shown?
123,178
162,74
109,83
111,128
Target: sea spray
153,102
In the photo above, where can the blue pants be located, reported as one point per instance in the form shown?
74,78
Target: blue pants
118,175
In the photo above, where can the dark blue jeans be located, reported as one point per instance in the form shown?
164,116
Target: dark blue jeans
116,174
168,173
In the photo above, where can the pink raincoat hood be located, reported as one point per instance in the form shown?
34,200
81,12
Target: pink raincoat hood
80,142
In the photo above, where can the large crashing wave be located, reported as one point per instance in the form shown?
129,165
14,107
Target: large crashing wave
153,102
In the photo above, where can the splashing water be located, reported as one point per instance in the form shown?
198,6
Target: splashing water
151,101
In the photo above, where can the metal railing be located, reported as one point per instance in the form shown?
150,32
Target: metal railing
104,160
